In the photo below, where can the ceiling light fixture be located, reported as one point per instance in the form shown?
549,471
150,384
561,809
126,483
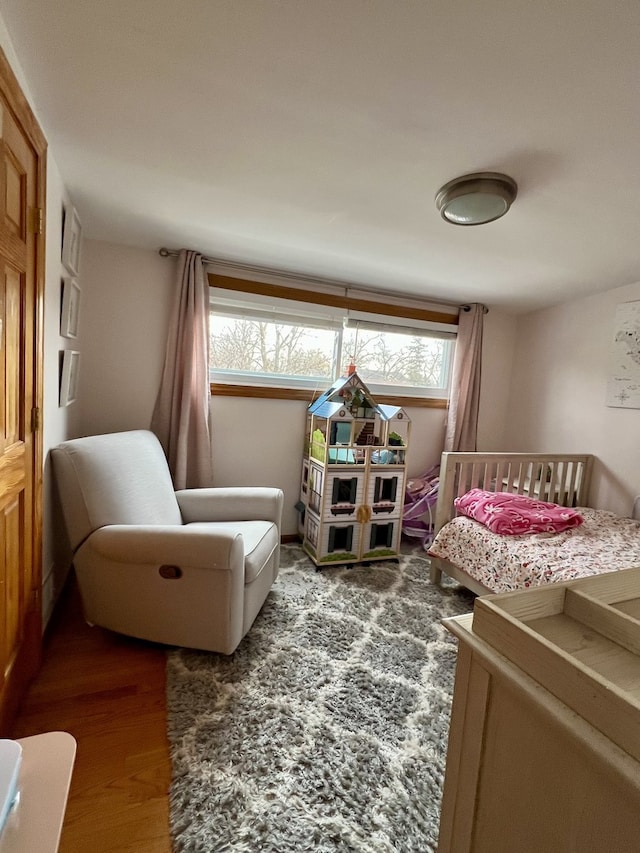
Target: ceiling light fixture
477,198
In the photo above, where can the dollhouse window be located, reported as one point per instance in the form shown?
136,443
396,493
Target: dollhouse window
344,490
381,535
340,538
312,532
315,484
385,489
340,433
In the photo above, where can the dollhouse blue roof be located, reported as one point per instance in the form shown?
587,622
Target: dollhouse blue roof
331,401
326,409
317,407
389,412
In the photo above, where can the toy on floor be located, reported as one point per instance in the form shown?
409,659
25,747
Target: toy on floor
420,498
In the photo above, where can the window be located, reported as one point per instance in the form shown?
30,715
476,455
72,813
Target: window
271,350
400,359
261,341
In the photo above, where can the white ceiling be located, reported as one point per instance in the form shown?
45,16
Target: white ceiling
312,135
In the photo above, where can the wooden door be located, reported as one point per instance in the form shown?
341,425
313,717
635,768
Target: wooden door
22,159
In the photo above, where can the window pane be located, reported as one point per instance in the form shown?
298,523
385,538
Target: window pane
270,349
405,361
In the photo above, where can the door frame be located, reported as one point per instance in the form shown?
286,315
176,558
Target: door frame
19,106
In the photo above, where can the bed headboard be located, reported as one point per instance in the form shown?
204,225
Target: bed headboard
559,478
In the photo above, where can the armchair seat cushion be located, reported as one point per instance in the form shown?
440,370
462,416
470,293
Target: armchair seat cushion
260,538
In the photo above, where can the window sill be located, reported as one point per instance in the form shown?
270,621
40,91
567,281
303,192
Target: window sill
219,389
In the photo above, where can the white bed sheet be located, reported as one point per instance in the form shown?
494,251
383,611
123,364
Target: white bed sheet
605,542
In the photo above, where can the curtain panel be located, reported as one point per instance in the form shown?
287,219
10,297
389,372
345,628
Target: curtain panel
464,403
181,414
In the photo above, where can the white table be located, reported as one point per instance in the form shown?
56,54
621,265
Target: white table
35,821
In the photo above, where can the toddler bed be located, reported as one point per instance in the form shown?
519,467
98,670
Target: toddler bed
488,562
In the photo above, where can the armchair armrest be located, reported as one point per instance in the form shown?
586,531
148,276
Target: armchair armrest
173,545
235,503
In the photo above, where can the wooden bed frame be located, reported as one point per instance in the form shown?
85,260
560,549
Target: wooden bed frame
559,478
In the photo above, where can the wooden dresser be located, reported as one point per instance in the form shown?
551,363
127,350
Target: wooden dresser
544,745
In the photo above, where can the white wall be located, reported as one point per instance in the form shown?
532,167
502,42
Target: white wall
126,299
498,350
12,58
58,422
558,388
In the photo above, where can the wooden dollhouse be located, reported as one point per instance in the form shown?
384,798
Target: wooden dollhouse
353,476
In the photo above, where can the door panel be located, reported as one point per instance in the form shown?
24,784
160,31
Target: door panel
13,322
22,151
14,581
14,201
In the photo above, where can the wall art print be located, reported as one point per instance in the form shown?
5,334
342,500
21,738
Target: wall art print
623,384
70,310
71,239
69,377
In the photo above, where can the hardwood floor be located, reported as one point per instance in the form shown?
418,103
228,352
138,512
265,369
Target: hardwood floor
108,691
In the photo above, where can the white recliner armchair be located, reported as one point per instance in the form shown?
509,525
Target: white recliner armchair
189,568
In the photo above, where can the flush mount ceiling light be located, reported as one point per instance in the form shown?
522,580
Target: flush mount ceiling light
477,198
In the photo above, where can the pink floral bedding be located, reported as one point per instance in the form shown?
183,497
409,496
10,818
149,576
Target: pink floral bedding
605,542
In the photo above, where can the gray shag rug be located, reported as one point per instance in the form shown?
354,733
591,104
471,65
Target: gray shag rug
327,729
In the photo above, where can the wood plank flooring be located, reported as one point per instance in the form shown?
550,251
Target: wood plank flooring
108,691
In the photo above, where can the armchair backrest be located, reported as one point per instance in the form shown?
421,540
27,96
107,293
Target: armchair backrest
119,478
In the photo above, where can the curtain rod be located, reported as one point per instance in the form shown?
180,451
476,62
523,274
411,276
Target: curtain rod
248,269
174,253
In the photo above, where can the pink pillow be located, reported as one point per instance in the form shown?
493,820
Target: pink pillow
513,515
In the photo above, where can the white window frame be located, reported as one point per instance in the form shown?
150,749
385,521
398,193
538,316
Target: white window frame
232,303
410,328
